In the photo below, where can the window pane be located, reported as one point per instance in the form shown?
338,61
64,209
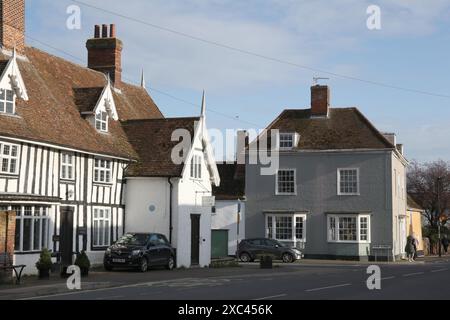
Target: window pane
95,240
2,94
5,165
299,227
107,231
9,107
332,229
17,235
37,234
44,234
270,227
13,166
347,229
14,151
348,181
286,181
283,228
9,95
27,234
101,233
6,149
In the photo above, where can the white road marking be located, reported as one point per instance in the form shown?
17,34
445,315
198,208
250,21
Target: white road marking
439,270
271,297
330,287
388,278
413,274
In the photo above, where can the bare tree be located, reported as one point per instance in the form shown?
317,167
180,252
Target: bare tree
425,180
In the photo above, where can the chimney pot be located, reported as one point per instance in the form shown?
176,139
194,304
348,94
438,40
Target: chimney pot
112,31
97,31
104,31
320,100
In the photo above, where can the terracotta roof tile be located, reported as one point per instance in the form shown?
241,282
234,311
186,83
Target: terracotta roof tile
86,98
52,113
345,128
152,141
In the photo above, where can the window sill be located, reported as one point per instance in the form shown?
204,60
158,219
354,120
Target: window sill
102,184
349,242
348,194
10,115
286,194
67,180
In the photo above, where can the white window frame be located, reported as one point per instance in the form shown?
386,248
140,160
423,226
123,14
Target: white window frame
9,157
277,191
339,192
65,166
106,231
43,215
4,101
99,169
358,218
100,124
293,136
293,217
196,167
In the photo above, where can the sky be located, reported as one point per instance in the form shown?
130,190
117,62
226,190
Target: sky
311,38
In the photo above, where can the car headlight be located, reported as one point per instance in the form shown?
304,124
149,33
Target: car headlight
136,252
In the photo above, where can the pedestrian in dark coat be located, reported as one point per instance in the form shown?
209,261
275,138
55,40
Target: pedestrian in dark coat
445,243
409,249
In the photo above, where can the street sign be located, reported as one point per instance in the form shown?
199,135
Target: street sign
208,201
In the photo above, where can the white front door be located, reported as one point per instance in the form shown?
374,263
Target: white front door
403,235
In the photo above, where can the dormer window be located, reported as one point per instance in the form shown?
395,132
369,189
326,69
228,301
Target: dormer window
6,101
101,121
287,140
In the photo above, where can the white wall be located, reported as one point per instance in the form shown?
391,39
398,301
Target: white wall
225,218
141,193
399,199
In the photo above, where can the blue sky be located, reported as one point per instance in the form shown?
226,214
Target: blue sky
411,50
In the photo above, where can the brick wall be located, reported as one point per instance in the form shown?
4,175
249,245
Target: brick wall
7,231
12,24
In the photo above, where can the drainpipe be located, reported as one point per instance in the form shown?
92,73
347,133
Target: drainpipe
170,210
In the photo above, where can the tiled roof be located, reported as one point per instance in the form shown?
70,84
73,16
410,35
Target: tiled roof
52,114
344,128
87,98
152,140
232,182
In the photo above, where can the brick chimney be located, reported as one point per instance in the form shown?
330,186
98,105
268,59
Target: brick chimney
12,24
320,101
105,52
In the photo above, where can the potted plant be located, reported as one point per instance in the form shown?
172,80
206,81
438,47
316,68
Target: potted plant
44,264
83,262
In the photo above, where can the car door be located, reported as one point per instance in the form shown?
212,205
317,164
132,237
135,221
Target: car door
153,250
272,248
165,249
256,247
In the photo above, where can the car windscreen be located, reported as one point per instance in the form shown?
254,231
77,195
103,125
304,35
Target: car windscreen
133,240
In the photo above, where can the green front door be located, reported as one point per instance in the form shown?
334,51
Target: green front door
219,244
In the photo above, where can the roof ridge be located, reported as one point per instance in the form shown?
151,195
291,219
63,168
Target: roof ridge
161,119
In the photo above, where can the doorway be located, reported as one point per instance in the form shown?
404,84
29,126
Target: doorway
66,236
195,239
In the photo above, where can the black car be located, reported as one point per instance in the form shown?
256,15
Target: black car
251,249
141,251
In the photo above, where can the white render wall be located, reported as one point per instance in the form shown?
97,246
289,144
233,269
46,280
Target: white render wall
141,193
225,218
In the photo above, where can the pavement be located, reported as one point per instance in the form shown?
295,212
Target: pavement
306,279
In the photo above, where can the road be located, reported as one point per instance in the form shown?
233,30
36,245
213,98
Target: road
289,282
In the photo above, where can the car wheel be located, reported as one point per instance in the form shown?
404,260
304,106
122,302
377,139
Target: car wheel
143,267
170,264
245,257
107,267
287,258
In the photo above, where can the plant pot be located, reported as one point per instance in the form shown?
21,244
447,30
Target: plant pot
44,274
84,272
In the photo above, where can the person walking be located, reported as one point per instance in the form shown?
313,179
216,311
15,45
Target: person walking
445,243
409,248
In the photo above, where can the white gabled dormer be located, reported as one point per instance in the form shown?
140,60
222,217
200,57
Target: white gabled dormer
12,86
104,110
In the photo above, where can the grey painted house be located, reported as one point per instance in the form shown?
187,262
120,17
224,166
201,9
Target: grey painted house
340,191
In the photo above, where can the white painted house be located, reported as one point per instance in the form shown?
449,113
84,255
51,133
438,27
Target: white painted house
165,197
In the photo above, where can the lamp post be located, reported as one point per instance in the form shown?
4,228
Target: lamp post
439,214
